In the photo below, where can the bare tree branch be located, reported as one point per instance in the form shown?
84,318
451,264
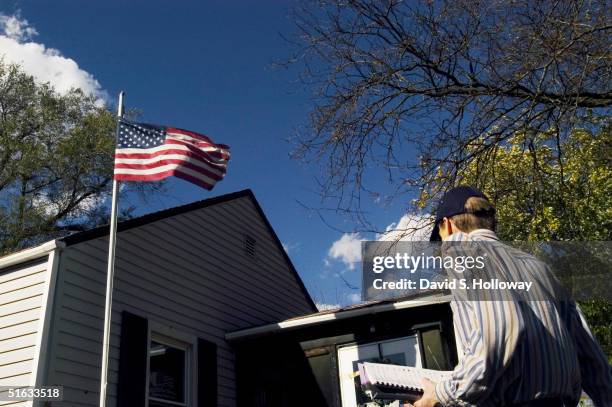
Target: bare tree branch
419,89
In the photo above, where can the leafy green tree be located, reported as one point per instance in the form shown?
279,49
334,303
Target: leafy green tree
541,195
597,311
56,159
403,88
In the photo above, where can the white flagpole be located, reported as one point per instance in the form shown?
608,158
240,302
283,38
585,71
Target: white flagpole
112,238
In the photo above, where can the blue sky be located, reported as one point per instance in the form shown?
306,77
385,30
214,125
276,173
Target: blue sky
206,66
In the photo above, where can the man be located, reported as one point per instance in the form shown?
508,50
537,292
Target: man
516,353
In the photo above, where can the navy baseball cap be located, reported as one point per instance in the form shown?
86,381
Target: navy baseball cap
451,204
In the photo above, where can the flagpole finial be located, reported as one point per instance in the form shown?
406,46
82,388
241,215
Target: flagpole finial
120,106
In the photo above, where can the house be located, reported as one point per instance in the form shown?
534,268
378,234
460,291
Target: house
310,360
207,311
184,279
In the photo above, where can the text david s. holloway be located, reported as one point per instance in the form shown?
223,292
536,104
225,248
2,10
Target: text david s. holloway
465,272
446,284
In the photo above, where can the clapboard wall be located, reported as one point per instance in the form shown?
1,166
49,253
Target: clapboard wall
191,273
23,296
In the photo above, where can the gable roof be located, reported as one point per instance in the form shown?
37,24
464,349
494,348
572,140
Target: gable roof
155,216
100,231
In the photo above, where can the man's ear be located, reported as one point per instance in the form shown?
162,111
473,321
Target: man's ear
450,226
453,227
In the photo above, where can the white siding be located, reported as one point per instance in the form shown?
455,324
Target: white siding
22,293
189,273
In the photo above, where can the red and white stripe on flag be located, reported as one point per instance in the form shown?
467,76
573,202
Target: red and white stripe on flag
151,153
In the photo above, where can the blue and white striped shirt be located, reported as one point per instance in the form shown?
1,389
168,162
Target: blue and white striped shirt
518,351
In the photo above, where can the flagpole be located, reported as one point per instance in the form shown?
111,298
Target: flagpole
112,239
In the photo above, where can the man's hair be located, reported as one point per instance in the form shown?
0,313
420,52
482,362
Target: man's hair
480,214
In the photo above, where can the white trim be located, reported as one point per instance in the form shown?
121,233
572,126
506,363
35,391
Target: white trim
172,403
332,316
30,254
180,340
41,354
147,376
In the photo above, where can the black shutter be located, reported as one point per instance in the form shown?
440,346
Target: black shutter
132,386
207,373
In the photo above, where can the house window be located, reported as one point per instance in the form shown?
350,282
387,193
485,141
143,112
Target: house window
401,351
435,353
169,372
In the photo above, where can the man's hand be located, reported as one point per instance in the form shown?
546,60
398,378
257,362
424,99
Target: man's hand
429,394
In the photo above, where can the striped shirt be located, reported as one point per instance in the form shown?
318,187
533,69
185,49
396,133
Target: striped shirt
519,351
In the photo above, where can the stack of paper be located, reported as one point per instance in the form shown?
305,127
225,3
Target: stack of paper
384,381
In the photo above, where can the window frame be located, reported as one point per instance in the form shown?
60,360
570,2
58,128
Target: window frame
168,336
378,342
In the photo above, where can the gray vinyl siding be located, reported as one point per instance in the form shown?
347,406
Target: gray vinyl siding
22,290
189,273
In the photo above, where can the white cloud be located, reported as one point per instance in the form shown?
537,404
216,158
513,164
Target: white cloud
290,247
410,227
16,27
347,249
45,64
346,299
326,307
354,298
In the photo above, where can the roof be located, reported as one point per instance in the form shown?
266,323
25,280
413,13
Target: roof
352,311
94,233
29,254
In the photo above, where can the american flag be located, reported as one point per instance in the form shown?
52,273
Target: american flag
147,152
